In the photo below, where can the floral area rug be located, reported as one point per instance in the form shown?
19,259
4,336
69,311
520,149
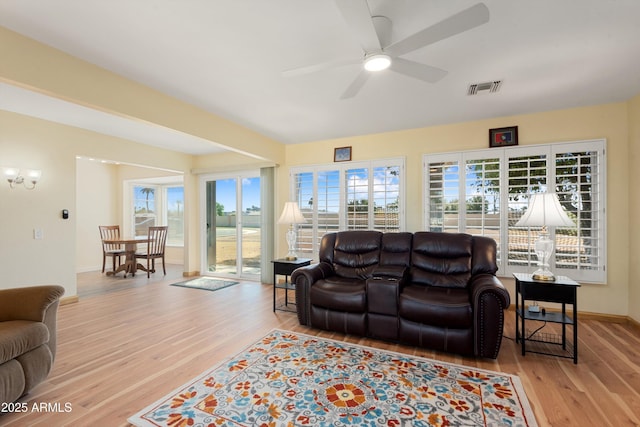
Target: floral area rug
207,283
292,379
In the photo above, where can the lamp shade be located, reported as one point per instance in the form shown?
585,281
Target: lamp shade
544,210
291,214
32,175
10,173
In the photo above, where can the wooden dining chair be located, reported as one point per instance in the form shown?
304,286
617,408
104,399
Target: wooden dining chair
109,232
155,248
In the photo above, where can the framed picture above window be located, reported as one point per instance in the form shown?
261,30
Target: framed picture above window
503,137
342,154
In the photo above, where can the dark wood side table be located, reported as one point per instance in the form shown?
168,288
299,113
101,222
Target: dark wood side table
564,291
284,268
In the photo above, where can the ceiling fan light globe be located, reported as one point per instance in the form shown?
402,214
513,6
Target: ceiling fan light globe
377,62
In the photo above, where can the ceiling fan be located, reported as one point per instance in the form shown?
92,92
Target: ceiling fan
374,34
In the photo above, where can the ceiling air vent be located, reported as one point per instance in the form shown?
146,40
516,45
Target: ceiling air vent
486,87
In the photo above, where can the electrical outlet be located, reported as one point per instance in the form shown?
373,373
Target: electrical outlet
37,233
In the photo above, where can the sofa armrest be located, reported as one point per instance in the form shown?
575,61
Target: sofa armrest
489,299
35,303
304,278
482,283
29,303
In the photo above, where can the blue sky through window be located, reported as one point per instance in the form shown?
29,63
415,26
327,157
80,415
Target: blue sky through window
175,198
226,193
386,187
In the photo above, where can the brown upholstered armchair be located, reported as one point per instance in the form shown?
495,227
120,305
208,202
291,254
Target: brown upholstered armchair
28,318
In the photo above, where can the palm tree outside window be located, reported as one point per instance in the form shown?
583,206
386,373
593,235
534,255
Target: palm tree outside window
144,209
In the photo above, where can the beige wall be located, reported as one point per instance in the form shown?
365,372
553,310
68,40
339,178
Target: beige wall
33,143
26,143
604,121
96,190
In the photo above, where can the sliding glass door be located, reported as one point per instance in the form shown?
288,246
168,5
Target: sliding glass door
232,225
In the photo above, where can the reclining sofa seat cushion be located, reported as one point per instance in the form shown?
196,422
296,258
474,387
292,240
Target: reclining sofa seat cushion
353,257
356,254
338,300
436,293
441,307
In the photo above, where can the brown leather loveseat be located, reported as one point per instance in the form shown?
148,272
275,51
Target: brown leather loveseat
433,290
28,318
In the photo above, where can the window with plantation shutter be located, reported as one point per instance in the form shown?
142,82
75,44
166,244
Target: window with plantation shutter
357,202
443,194
496,186
386,198
526,174
482,203
474,179
579,182
303,188
350,196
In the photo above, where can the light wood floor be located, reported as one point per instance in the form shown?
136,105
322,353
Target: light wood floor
128,342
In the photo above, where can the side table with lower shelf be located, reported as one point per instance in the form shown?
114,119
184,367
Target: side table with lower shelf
285,267
563,291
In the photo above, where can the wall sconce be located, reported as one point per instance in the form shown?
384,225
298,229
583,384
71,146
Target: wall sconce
16,176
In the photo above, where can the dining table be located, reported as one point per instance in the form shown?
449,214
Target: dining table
130,266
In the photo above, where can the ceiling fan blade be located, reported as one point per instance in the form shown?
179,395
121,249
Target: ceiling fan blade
455,24
300,71
358,17
356,85
416,70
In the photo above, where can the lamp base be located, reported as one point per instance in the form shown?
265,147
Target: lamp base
543,276
291,258
544,249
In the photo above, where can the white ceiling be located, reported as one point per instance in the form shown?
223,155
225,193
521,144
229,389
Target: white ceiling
227,57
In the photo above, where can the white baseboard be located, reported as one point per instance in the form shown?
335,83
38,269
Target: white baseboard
89,269
99,266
